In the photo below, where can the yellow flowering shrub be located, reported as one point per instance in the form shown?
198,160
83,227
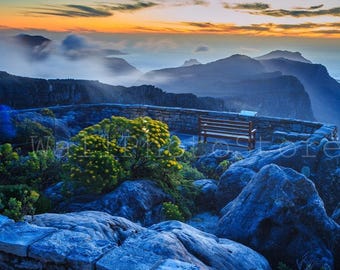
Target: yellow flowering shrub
119,148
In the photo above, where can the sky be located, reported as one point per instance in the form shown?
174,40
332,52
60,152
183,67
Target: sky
154,34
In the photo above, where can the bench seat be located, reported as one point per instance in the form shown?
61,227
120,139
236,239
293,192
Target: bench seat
239,131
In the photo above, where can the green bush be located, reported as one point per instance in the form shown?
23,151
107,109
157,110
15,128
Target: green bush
17,201
32,136
190,173
47,112
283,266
172,212
225,164
118,148
40,169
8,162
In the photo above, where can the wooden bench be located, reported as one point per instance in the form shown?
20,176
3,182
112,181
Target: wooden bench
239,131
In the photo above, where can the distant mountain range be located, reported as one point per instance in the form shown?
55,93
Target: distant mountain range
280,83
242,82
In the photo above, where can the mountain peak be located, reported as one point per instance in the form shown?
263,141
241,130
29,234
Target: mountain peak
31,41
294,56
191,62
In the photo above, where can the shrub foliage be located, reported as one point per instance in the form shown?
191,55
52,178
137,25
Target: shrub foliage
119,148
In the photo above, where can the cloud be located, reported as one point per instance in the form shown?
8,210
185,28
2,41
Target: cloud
300,13
191,3
155,44
316,7
200,3
14,61
265,29
259,8
202,48
77,47
71,11
131,7
252,6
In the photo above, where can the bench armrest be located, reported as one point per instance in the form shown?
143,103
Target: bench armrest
253,131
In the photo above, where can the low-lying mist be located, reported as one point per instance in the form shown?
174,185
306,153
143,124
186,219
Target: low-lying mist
57,61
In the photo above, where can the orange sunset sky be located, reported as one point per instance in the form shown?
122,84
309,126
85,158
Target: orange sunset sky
312,18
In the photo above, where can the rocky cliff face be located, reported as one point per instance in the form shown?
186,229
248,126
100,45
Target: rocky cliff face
20,92
324,91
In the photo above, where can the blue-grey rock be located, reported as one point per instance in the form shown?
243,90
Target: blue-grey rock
210,166
206,198
97,240
282,136
231,184
280,214
4,220
170,264
336,214
15,238
139,201
80,238
291,155
327,176
212,251
206,222
326,131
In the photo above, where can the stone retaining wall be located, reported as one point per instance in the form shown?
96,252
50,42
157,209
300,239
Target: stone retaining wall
186,120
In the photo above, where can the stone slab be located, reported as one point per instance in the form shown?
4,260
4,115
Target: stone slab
15,238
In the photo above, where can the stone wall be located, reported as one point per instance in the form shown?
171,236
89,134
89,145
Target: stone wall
186,120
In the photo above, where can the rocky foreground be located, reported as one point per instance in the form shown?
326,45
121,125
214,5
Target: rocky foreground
275,206
89,239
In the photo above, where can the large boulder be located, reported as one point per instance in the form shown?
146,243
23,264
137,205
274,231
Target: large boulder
177,241
336,214
327,176
231,184
205,221
206,197
97,240
60,241
211,165
280,214
297,156
139,200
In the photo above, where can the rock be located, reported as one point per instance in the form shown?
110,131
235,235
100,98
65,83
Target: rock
280,214
231,184
327,177
212,251
59,127
81,239
206,198
292,155
139,200
326,131
206,222
211,165
336,214
16,237
97,240
281,136
173,240
170,264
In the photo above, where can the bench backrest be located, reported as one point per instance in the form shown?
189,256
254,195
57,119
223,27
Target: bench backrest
233,127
